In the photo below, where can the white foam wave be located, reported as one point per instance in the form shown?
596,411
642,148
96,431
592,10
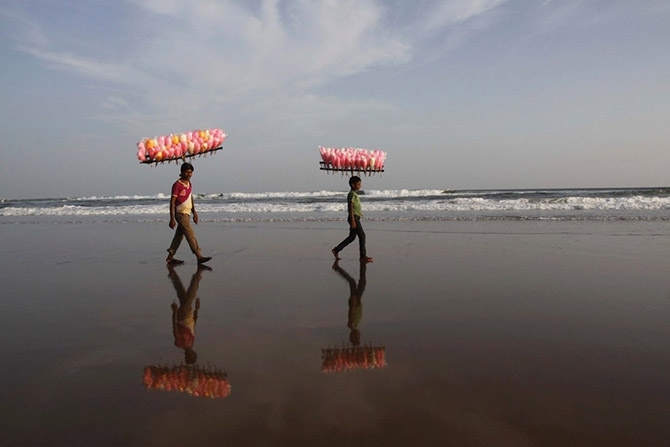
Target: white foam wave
329,204
74,210
267,206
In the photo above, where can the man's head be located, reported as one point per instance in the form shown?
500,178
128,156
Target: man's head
186,167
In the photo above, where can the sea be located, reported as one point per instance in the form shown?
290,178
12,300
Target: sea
599,204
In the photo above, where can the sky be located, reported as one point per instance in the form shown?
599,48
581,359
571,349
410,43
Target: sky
461,94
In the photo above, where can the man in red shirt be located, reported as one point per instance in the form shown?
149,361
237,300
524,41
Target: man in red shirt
181,206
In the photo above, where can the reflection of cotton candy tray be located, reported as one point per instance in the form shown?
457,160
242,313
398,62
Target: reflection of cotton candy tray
346,359
352,160
180,146
193,380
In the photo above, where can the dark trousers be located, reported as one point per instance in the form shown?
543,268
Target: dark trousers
353,233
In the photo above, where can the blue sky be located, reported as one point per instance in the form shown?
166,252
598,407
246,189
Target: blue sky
459,93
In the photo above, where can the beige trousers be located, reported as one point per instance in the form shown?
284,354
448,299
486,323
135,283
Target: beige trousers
184,230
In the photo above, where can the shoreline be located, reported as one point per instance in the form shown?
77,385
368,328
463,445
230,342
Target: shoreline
495,333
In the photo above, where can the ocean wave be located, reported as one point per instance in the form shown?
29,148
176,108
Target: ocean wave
428,203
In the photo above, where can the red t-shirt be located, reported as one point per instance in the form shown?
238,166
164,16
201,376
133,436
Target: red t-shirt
183,195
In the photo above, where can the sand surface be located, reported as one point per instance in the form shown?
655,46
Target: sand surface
495,334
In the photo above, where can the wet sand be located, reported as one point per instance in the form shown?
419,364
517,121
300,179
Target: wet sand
495,334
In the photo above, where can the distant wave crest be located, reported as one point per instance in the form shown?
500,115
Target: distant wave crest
623,203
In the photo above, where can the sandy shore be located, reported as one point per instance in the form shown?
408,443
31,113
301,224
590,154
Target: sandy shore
495,334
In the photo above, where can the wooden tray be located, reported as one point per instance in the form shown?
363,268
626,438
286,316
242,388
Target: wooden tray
182,158
351,170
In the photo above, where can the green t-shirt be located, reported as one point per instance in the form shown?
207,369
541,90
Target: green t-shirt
355,202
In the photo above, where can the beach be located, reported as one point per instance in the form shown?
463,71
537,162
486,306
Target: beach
494,333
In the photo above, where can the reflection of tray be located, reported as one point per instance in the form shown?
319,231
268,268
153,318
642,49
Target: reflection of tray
194,380
358,357
182,158
352,169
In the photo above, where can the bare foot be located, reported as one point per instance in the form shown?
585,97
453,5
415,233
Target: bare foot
334,252
204,259
367,259
170,260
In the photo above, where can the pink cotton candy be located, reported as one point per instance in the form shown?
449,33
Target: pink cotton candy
179,145
352,158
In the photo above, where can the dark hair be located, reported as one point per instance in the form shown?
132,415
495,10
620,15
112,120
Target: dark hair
353,180
355,337
190,356
186,166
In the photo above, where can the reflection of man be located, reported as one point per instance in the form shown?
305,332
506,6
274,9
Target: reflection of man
184,316
355,303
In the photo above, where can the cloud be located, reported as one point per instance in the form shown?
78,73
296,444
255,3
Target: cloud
225,43
297,46
100,71
113,102
188,55
21,27
451,12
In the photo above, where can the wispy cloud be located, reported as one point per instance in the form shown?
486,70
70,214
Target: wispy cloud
24,30
451,12
189,52
113,102
85,67
295,45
